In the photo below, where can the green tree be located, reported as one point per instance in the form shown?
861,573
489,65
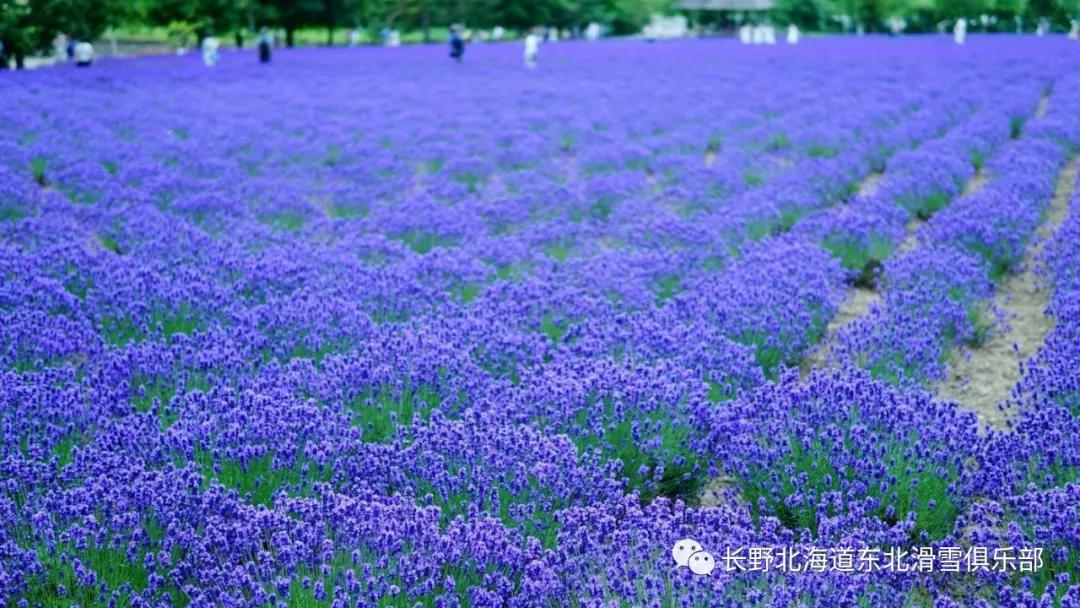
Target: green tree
807,14
16,34
30,26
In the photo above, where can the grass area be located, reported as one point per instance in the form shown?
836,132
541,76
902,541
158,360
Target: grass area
792,488
343,211
465,292
38,169
382,415
667,287
896,368
771,351
283,221
120,330
101,573
558,251
653,447
260,478
553,329
863,259
423,242
11,213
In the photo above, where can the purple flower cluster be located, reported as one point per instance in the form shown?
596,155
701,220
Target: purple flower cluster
362,329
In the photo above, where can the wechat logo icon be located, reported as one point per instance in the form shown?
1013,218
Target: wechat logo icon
688,553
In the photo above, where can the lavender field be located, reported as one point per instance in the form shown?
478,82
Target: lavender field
367,328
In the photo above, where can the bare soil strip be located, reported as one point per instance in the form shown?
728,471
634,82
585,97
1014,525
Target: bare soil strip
1044,103
976,183
910,230
983,377
858,300
857,303
870,185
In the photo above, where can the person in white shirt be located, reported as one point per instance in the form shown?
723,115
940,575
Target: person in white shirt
532,48
84,54
60,43
210,54
746,33
960,31
792,34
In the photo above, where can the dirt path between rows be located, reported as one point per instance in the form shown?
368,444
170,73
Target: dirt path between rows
858,300
870,185
1044,104
982,378
976,183
856,304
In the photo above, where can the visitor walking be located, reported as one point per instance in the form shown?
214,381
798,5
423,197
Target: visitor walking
266,43
792,34
457,43
746,33
210,53
84,54
960,31
60,43
532,48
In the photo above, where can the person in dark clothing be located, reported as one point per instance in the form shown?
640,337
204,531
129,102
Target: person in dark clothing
457,44
266,42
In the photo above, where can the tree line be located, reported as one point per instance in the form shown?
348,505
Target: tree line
30,26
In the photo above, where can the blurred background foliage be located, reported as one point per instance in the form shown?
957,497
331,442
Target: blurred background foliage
30,26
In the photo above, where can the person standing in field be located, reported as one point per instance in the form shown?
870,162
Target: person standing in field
746,33
266,43
532,48
210,53
792,34
457,43
60,43
960,31
84,54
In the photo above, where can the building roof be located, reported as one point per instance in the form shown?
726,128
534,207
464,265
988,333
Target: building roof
726,5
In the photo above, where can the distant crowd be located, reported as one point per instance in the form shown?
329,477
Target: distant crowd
81,52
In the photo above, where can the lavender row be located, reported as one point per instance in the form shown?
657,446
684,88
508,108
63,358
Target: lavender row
934,295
